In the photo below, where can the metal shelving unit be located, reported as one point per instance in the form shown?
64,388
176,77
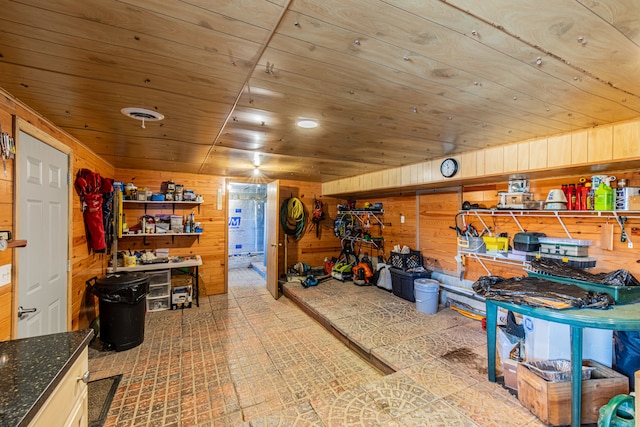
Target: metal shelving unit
374,218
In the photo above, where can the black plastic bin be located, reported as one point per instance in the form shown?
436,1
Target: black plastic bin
402,282
122,308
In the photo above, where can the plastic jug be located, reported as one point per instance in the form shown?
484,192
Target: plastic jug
604,195
619,412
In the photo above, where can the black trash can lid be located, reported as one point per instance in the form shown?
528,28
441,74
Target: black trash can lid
121,280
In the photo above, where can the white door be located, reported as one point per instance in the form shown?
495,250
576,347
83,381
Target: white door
271,224
42,209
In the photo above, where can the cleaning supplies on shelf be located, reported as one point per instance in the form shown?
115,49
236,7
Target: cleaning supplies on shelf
603,199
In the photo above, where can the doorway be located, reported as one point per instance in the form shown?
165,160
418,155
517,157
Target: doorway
246,227
42,208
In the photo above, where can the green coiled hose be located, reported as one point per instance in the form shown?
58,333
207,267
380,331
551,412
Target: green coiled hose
292,217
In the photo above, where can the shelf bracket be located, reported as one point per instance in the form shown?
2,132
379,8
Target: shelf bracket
516,221
482,264
483,224
564,227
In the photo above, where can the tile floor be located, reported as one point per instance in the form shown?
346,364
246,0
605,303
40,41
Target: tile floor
245,359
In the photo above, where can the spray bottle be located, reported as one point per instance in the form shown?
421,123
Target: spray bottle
603,197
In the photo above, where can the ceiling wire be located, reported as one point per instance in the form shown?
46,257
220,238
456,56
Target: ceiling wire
258,55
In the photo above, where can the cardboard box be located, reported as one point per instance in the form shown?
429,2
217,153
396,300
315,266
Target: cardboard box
510,372
181,297
551,402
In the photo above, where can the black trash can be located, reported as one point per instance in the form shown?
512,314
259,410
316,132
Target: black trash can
122,308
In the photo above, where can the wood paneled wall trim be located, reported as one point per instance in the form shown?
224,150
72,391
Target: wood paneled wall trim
84,264
610,147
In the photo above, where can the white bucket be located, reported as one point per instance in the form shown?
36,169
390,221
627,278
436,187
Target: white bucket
427,292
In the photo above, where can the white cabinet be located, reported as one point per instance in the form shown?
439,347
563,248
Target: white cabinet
67,405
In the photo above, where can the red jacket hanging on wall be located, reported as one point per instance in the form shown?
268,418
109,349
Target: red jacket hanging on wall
91,186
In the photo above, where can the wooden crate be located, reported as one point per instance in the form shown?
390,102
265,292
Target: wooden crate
551,402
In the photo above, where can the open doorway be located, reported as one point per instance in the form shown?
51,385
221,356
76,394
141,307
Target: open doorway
246,227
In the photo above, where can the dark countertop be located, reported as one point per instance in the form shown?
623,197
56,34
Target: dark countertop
30,370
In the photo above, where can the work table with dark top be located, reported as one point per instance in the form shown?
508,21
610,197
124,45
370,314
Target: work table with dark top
30,370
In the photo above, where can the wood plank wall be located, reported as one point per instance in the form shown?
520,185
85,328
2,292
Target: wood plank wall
610,147
309,249
438,244
427,220
6,223
210,245
84,264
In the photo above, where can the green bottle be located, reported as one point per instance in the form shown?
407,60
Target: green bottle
603,197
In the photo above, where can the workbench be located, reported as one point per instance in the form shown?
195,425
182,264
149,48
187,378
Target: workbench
618,318
191,263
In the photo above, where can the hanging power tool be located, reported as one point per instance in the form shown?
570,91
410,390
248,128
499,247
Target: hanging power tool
318,215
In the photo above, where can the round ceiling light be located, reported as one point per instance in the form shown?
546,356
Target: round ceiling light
307,123
142,114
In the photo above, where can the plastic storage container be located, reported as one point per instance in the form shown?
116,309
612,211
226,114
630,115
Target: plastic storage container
472,244
406,261
500,244
565,247
122,308
427,292
402,282
527,242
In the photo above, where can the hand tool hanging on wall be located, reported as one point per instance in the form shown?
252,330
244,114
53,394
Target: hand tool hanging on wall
7,149
318,215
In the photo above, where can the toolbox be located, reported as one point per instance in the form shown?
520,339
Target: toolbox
527,242
518,200
572,261
564,247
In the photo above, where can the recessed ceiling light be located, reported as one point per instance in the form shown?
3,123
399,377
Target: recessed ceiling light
307,123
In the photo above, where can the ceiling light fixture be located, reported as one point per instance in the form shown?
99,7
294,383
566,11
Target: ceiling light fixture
307,123
142,114
256,171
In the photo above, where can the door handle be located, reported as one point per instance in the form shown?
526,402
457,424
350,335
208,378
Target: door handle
276,244
23,311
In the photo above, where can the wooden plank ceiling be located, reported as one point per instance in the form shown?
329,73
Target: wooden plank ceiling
390,82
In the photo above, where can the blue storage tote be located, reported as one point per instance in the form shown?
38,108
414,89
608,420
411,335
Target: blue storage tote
402,282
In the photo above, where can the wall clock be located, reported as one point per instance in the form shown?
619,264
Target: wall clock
449,167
